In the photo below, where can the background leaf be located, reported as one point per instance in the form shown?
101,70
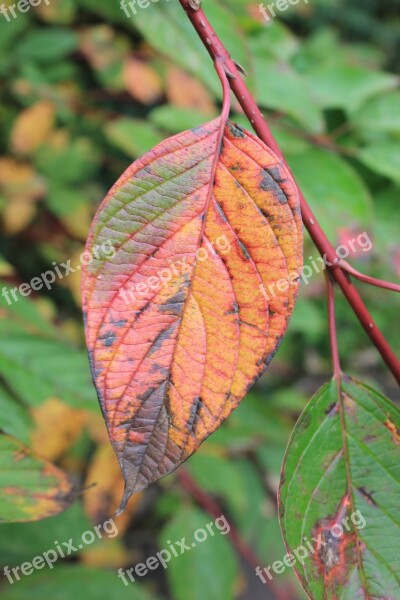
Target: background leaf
343,463
187,574
31,488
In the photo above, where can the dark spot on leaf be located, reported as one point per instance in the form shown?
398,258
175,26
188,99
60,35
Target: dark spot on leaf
146,395
141,311
221,212
244,250
160,339
331,410
367,495
157,368
120,323
269,184
108,338
235,309
275,173
173,306
236,130
198,130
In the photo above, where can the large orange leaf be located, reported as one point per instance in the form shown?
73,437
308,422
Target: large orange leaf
191,308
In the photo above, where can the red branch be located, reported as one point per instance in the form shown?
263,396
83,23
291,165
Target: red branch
330,294
217,52
212,507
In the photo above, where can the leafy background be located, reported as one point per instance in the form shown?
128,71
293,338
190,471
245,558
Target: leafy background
84,91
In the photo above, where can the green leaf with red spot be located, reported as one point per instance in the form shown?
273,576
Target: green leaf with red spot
340,494
189,310
31,488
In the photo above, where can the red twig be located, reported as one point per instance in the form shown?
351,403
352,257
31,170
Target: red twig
330,291
387,285
218,51
213,508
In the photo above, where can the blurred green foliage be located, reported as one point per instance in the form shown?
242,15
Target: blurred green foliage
84,91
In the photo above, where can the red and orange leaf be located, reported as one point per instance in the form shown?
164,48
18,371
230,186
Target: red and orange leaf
189,310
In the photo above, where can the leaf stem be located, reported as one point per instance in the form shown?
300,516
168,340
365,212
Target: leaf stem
387,285
216,49
330,291
220,67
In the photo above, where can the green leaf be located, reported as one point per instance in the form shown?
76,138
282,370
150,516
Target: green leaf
275,40
380,114
14,419
73,163
132,136
341,86
24,314
31,488
220,477
383,158
207,569
66,582
10,31
333,188
342,471
281,88
173,119
38,369
21,543
47,44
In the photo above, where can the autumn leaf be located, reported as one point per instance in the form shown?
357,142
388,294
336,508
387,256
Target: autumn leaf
57,427
30,488
185,91
187,314
339,494
32,127
142,81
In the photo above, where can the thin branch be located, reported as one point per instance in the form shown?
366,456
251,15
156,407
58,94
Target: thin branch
212,507
387,285
330,292
216,49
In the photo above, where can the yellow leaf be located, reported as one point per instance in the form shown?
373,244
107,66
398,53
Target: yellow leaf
32,127
17,215
58,426
109,554
18,180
